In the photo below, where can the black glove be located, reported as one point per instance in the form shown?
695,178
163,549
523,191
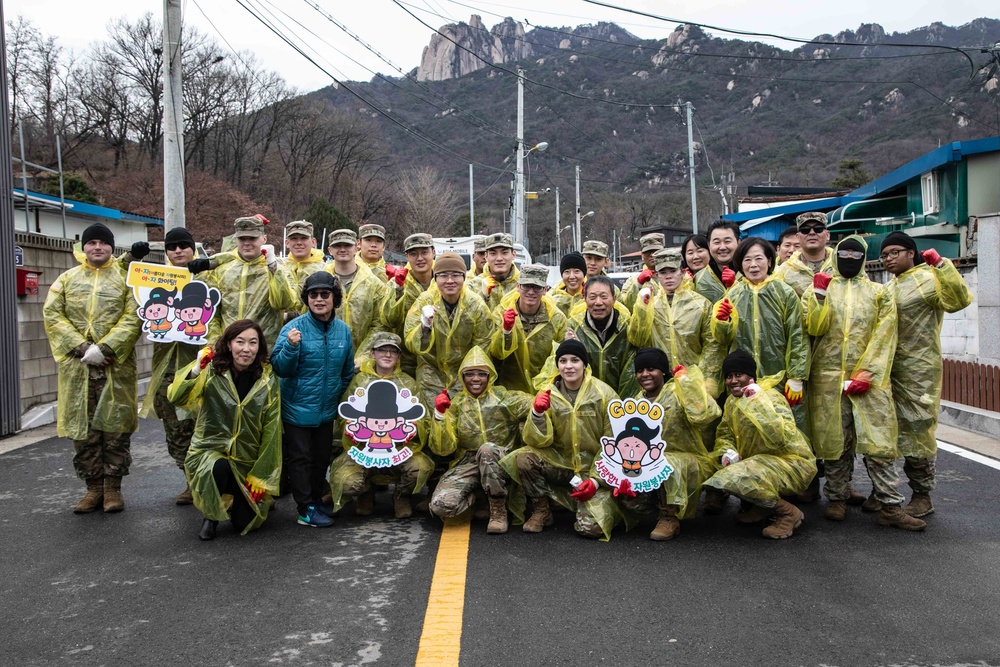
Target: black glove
139,250
198,265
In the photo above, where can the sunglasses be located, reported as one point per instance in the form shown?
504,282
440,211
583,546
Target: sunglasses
818,228
533,288
176,246
320,294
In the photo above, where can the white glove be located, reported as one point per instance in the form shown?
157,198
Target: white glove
93,356
794,385
644,294
751,390
729,457
427,315
272,256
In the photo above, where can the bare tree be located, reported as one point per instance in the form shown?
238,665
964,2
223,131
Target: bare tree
430,203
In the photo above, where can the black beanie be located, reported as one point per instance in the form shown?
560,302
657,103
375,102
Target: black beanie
573,347
739,361
99,232
180,237
905,240
652,357
573,260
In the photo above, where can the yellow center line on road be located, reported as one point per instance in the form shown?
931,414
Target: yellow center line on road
441,639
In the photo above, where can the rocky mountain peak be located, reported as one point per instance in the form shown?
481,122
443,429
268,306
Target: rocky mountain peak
448,54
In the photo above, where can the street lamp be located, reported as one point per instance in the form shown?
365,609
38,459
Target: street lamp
520,230
578,241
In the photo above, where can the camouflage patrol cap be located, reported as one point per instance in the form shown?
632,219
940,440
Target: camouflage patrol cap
479,245
651,242
342,237
383,338
534,274
299,228
812,216
249,227
668,258
414,241
499,240
364,231
598,248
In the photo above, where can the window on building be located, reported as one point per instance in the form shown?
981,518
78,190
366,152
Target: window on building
929,192
679,238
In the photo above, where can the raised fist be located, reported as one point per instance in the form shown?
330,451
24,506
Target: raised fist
931,256
542,402
509,316
820,282
728,277
400,276
645,276
724,310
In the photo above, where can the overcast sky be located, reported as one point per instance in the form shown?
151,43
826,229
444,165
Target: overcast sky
400,38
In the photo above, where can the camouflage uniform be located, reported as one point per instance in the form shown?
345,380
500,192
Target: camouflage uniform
455,492
102,454
541,480
881,470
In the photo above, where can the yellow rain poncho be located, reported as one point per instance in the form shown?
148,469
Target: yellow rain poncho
687,409
394,308
564,300
494,416
798,275
245,433
361,309
441,351
521,356
250,291
343,467
570,439
681,327
503,288
775,456
707,284
302,269
93,305
378,268
922,295
854,330
766,322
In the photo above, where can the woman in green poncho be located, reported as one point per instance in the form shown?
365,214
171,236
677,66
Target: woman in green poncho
234,462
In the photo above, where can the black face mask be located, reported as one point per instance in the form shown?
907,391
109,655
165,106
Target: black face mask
850,267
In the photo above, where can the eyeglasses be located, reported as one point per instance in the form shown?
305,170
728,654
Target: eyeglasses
320,294
818,228
850,254
451,276
533,288
891,254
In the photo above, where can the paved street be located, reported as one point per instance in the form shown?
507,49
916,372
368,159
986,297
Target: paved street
139,588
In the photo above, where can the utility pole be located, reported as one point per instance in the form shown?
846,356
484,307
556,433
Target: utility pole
694,194
472,207
558,228
173,118
578,240
519,230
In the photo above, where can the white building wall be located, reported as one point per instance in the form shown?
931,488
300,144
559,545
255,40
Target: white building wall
49,223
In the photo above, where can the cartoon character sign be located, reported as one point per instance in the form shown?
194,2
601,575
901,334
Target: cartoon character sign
633,459
174,307
381,420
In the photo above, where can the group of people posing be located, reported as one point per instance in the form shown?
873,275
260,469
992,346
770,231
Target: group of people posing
770,374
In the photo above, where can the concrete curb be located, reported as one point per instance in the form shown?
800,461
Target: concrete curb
972,419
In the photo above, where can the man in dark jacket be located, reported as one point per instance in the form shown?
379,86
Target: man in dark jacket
314,357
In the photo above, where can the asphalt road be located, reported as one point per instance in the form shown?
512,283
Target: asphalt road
139,588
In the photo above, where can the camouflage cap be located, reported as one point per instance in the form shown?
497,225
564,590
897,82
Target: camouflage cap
364,231
598,248
499,240
817,216
249,227
299,227
651,242
414,241
383,338
534,274
342,236
667,258
479,245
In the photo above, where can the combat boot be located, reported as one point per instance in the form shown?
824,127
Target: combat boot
919,505
185,497
668,525
836,510
498,516
713,501
750,513
871,505
92,499
401,506
855,499
787,517
893,515
365,504
540,517
113,501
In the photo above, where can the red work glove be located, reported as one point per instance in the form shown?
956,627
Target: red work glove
724,310
793,392
256,492
509,316
645,276
585,491
688,271
542,402
931,256
861,381
679,371
442,403
400,276
625,489
644,294
390,270
820,282
491,284
728,277
262,218
206,357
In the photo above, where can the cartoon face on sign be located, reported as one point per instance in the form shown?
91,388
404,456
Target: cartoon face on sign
381,418
174,307
633,459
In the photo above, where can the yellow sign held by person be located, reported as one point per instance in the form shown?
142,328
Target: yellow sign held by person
173,307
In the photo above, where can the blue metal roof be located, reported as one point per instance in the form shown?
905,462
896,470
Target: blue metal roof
950,153
93,210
